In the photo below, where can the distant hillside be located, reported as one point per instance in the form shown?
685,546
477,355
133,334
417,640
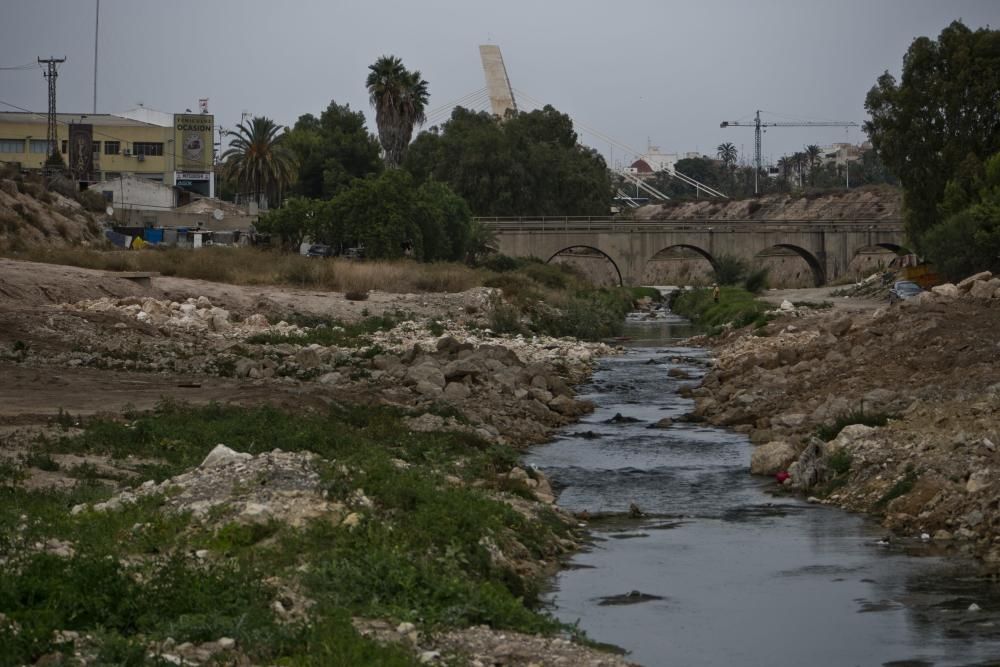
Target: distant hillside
867,203
33,215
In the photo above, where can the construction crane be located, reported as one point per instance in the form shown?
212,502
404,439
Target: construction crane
757,124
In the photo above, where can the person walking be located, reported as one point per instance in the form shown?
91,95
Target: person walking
715,292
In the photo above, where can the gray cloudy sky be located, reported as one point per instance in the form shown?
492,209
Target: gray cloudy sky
663,72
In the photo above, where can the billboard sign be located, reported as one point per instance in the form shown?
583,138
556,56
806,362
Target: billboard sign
81,151
193,141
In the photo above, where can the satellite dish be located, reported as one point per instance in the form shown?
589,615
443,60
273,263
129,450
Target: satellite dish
110,211
218,214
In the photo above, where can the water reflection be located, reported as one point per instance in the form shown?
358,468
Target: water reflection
725,573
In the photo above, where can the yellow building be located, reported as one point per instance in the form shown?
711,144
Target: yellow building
173,149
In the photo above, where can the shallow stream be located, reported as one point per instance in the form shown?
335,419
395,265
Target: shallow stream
723,572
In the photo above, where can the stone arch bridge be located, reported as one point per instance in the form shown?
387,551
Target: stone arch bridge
827,246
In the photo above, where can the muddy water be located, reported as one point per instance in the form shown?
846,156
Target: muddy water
722,572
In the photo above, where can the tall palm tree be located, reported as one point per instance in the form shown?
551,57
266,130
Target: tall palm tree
399,98
258,160
812,157
727,153
799,161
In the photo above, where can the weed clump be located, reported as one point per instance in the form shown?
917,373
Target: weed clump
828,432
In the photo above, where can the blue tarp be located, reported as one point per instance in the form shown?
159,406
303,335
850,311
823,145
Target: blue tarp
120,240
153,235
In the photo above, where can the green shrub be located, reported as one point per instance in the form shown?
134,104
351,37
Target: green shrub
92,200
729,270
500,263
900,488
756,281
736,306
828,432
840,462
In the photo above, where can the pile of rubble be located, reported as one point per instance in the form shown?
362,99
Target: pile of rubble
237,486
925,367
190,316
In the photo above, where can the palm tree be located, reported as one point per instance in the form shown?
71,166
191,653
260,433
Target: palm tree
399,98
258,160
799,161
727,153
812,156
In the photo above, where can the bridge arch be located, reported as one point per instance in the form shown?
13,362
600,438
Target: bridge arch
677,263
614,265
815,266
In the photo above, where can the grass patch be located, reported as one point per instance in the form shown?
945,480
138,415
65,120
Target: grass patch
828,432
332,332
423,551
900,488
736,306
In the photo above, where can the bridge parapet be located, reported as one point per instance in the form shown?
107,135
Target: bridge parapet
828,246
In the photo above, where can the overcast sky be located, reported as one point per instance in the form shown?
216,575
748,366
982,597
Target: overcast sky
640,71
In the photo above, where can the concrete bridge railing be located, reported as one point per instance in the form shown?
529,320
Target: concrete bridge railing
827,246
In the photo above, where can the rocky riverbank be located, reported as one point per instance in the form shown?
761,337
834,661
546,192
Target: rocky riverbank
894,413
321,440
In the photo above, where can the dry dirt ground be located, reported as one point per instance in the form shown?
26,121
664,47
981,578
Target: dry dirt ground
822,296
30,292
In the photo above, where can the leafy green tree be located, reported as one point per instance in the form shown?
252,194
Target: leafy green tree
296,219
391,216
445,222
332,150
701,169
399,98
259,161
943,108
527,164
968,238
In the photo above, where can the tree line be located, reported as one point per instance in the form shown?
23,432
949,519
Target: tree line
333,181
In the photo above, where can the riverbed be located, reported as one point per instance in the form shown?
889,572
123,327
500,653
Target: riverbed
721,569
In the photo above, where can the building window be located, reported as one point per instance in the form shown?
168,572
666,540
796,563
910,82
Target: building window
97,147
39,146
11,146
65,146
147,147
112,147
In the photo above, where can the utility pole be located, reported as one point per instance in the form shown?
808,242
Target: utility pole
97,25
51,75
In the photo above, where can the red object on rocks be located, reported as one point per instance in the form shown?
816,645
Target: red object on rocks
782,476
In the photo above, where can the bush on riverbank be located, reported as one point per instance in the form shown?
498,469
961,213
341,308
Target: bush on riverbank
424,548
736,306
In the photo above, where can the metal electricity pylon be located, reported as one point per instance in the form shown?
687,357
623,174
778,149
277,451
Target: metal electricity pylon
50,74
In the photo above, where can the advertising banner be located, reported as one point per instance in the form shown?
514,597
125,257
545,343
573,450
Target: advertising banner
193,141
81,151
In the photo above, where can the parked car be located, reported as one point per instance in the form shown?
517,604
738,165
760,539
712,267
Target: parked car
903,290
319,250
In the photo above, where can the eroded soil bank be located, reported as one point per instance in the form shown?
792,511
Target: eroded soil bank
895,413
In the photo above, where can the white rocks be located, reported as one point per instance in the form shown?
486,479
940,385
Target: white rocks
771,458
978,481
966,285
222,455
984,289
946,290
786,306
